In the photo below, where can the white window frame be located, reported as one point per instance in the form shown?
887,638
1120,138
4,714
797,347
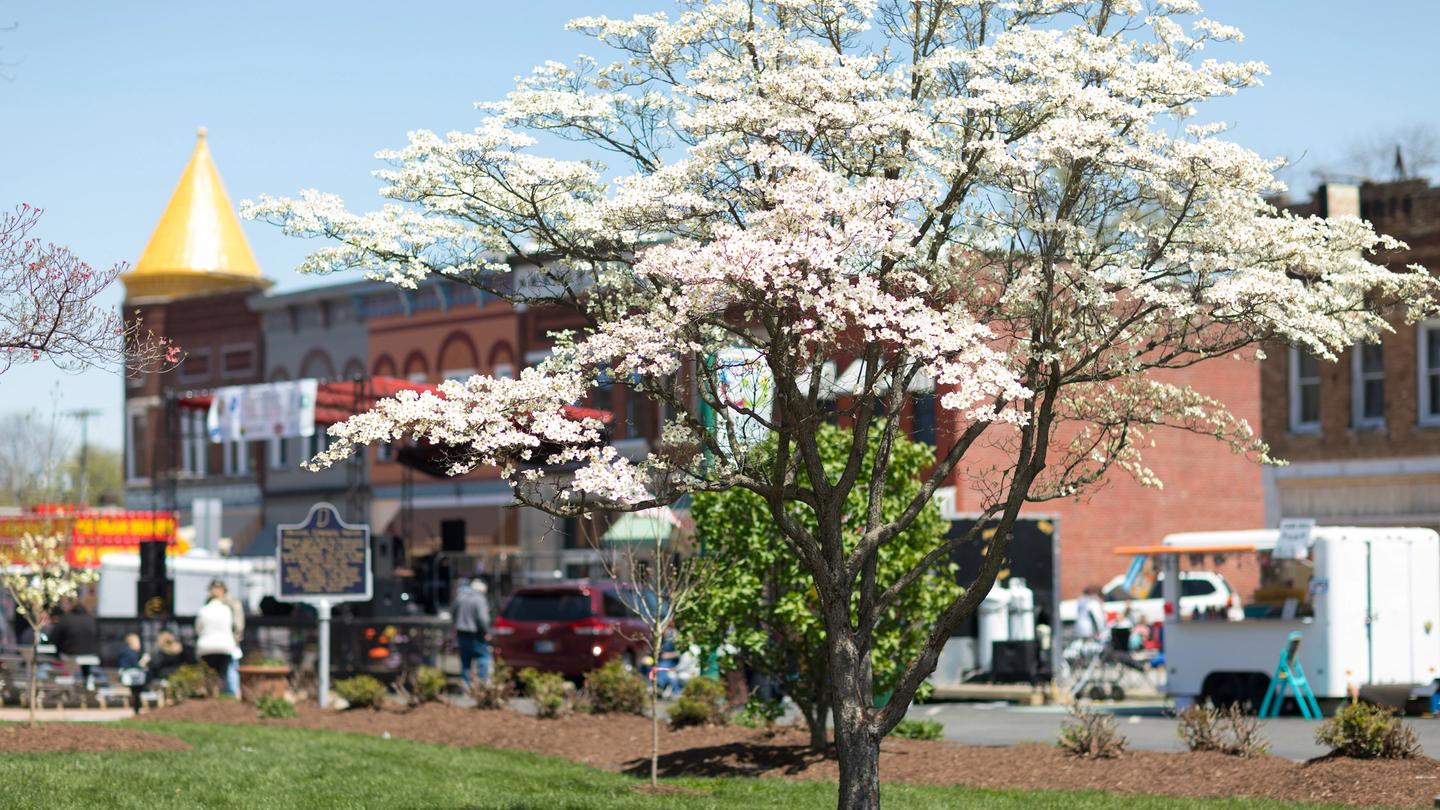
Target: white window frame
195,443
504,371
457,374
1358,377
279,454
1293,376
209,366
1428,412
235,456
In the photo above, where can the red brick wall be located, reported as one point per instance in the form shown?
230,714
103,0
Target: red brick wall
1206,488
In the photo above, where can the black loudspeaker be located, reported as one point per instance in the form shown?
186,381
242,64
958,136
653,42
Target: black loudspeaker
152,560
452,536
154,598
1015,661
154,592
382,556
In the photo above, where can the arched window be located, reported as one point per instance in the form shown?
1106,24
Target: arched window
354,368
458,358
317,364
416,369
502,360
384,366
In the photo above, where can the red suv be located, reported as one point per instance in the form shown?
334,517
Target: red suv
570,627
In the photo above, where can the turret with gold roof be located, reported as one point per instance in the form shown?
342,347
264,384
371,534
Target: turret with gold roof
198,248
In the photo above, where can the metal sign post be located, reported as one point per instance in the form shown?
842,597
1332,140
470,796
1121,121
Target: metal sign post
323,607
321,561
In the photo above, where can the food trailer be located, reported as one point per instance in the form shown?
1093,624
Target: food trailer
1366,599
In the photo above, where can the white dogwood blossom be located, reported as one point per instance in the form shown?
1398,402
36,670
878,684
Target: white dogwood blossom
1014,204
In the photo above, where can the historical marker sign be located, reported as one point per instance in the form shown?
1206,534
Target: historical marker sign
323,558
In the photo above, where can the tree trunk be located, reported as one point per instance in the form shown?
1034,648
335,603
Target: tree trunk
818,719
856,744
34,669
654,727
858,750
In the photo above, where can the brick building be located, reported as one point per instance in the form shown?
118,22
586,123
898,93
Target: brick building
1362,434
1206,487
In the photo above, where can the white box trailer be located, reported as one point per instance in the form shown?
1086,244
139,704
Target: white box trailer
249,578
1366,599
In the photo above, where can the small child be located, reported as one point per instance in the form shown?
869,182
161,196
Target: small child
133,662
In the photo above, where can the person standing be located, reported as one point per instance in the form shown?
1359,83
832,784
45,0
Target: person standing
215,636
1089,614
218,590
472,628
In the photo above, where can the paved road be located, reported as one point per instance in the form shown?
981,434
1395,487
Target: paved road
1146,726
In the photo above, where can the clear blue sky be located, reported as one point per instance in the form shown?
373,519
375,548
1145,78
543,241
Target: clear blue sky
102,100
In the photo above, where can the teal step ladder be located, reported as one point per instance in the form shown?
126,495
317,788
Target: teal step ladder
1289,672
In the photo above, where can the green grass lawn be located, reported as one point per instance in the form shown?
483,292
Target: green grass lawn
258,767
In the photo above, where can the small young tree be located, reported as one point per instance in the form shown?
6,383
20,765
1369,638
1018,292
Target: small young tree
660,584
49,309
761,602
40,578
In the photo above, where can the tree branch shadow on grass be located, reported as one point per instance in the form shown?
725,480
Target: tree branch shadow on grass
732,759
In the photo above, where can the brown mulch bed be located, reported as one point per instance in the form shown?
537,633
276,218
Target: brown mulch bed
622,743
48,738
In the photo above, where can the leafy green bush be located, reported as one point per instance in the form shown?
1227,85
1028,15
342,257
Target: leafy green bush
1228,731
614,689
759,713
701,703
361,691
275,707
191,681
427,684
918,730
494,692
549,691
1091,734
1366,731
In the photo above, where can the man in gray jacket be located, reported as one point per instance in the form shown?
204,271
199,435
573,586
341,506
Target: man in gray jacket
472,628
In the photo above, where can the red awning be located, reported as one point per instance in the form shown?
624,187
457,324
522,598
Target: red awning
338,401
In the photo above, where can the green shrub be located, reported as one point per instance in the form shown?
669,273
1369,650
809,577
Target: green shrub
494,692
1366,731
918,730
1091,735
361,691
614,689
549,691
759,713
1228,731
275,707
191,681
701,703
427,684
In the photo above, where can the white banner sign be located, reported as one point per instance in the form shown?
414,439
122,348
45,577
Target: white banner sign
279,410
1294,540
745,385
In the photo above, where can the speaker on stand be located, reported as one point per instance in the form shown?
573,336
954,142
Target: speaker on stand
154,591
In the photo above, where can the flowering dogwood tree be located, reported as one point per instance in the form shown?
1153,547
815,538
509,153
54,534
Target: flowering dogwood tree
48,307
1015,202
40,578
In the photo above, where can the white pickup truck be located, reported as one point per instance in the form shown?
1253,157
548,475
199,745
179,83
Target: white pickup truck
1200,591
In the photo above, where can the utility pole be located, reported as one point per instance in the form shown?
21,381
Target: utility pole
84,414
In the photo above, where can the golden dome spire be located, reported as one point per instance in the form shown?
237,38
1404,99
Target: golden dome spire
198,247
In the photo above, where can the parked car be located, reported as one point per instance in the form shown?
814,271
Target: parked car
1200,591
570,627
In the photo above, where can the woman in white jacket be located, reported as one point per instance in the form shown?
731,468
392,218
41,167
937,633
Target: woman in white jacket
215,635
